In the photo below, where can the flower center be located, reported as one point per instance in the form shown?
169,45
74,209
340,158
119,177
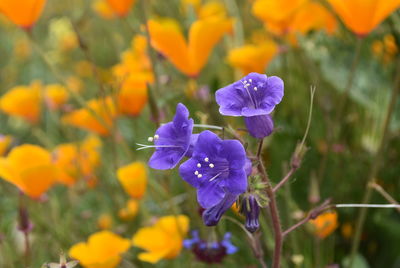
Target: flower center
209,169
247,85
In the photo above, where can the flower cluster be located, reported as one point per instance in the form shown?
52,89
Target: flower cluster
218,168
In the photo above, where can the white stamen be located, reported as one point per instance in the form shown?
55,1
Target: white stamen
251,80
196,173
156,137
150,139
211,165
255,88
199,176
198,165
216,176
206,159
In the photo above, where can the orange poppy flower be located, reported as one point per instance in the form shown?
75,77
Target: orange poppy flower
29,168
163,240
103,250
76,160
133,178
55,96
23,13
287,17
189,57
23,101
253,58
325,224
362,16
85,119
121,7
134,72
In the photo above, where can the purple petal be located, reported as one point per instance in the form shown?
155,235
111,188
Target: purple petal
193,141
236,183
210,194
212,215
231,99
173,140
234,153
259,126
248,167
273,94
208,145
187,170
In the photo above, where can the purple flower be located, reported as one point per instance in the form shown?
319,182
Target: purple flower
251,210
212,215
210,252
254,97
216,167
172,140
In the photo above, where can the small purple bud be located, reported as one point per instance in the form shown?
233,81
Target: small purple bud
251,210
259,126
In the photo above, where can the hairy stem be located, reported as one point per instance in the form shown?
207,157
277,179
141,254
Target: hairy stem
273,210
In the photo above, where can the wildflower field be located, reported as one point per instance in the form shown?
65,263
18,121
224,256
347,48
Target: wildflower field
199,133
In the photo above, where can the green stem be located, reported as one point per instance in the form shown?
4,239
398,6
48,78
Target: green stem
376,162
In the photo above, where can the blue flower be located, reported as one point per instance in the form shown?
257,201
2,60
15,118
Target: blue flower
254,97
172,140
217,167
210,252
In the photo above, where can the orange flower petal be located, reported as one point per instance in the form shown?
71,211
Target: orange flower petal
362,16
133,178
23,13
168,40
121,7
203,36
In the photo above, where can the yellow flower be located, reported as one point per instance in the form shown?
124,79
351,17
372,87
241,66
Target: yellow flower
133,178
129,211
385,49
5,142
362,16
121,7
103,250
325,224
253,58
163,240
22,101
105,221
55,96
189,57
76,160
29,167
23,13
85,119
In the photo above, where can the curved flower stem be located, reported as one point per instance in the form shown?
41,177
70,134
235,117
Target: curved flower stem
311,215
299,151
385,194
273,210
376,162
254,241
335,126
